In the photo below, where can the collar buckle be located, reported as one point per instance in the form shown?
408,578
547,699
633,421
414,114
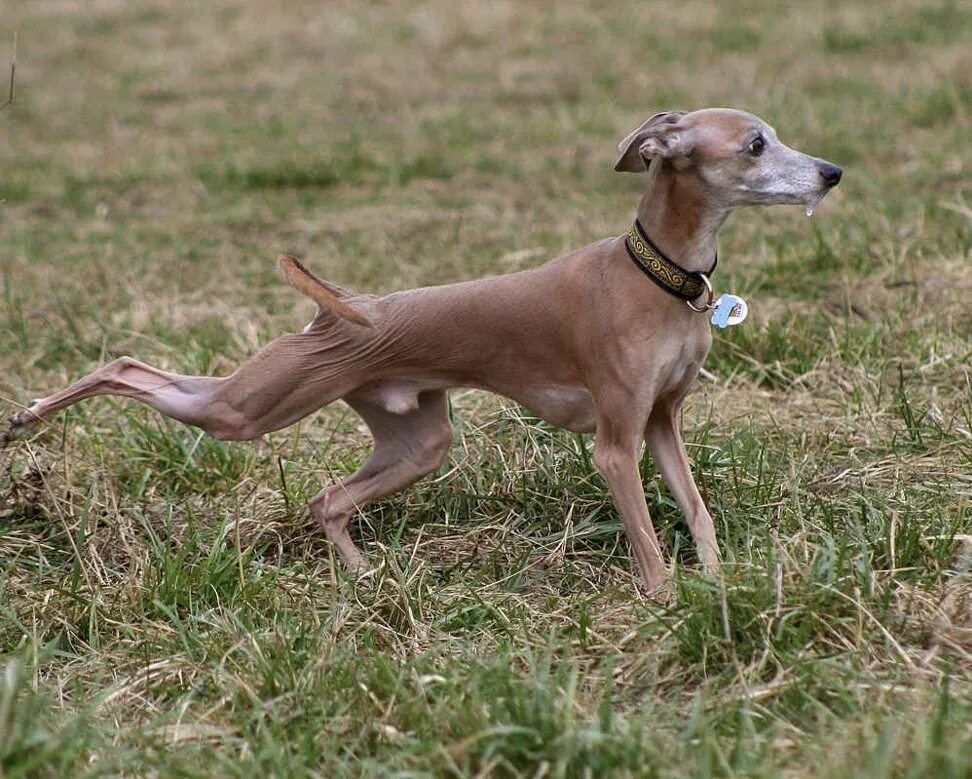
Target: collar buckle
708,305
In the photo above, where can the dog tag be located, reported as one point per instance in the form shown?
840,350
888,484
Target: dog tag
729,310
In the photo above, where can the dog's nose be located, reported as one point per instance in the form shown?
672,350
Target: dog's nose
830,173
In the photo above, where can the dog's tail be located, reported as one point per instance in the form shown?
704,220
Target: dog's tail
318,290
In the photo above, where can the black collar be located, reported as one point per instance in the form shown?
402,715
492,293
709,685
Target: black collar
667,274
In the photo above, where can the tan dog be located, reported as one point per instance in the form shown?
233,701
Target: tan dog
586,342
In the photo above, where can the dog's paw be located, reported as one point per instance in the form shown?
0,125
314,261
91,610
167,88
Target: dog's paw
658,591
660,594
17,426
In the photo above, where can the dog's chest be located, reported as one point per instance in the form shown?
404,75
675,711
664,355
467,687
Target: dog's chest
676,373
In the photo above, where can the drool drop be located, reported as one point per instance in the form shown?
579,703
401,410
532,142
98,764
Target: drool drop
809,211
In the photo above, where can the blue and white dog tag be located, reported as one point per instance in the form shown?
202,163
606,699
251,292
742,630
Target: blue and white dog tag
729,310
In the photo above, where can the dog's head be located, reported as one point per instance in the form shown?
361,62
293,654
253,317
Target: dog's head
736,157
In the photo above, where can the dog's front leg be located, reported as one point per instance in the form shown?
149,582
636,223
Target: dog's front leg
668,451
617,450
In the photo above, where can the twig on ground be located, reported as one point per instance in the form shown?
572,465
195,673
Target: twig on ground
13,72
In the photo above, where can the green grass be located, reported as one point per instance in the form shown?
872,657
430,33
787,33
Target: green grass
166,609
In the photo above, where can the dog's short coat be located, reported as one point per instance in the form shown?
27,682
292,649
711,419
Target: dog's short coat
586,341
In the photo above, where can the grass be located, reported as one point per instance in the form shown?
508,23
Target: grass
167,610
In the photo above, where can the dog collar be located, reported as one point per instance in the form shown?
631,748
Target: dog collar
667,274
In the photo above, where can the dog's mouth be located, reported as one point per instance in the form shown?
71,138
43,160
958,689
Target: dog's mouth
812,199
806,199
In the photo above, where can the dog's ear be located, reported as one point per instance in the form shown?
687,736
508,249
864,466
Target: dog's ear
660,136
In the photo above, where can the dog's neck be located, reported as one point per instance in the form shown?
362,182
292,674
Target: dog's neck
679,220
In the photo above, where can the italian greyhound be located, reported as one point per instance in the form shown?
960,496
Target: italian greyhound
607,338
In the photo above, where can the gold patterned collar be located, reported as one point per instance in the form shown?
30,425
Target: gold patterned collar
671,277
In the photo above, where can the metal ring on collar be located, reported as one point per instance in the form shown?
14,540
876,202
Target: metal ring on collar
709,295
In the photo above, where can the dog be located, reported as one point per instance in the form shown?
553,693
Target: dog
605,339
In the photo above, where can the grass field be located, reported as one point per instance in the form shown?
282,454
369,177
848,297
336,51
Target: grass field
166,609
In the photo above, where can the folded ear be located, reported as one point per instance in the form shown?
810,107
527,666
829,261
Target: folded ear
660,136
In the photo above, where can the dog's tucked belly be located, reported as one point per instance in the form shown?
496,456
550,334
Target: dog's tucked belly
564,406
570,407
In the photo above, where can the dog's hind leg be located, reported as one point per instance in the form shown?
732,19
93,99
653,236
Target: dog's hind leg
291,377
406,447
173,395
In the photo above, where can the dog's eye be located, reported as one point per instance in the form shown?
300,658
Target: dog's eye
756,146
